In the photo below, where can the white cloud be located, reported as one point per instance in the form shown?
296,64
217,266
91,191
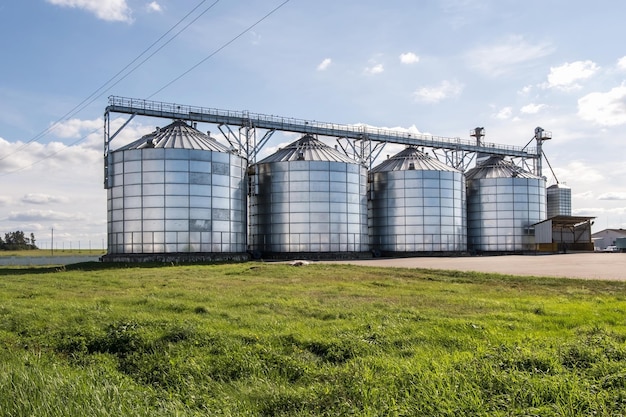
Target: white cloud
524,91
75,128
65,159
621,63
612,196
323,66
154,7
110,10
504,113
42,199
578,172
409,58
565,76
588,211
376,69
506,56
435,94
587,195
605,109
532,108
47,215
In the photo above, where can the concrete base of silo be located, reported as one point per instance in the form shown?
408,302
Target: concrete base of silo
312,256
188,257
423,254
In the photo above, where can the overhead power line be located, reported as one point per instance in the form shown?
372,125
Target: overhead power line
110,82
212,54
95,94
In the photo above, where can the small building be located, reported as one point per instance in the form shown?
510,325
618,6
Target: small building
564,233
607,237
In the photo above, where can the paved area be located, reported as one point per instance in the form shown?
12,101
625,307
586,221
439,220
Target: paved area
596,265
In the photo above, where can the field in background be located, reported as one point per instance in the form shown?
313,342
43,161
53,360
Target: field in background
265,339
48,252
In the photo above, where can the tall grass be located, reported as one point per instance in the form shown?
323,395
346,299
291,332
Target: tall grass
270,339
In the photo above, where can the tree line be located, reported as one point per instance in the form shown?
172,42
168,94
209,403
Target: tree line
17,241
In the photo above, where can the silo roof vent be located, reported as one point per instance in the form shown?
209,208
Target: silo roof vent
307,148
498,167
412,158
177,135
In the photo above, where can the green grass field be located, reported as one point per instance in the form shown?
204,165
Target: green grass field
56,252
269,339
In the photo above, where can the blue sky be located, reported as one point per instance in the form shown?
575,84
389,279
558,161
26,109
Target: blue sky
440,67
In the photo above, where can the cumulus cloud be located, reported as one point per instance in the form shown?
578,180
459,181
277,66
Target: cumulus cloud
621,63
506,56
578,172
587,195
42,199
612,196
524,91
605,109
565,77
154,7
375,69
587,211
43,215
110,10
409,58
75,128
532,108
504,113
435,94
62,158
323,66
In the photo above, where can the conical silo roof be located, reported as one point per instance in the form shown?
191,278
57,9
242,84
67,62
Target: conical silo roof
497,167
412,159
177,135
307,148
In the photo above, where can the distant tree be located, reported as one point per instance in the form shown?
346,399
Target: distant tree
18,241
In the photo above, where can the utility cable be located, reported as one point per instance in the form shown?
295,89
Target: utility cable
99,91
212,54
161,89
76,142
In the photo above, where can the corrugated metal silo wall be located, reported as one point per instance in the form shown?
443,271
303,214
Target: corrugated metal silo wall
500,212
418,211
308,207
559,201
175,201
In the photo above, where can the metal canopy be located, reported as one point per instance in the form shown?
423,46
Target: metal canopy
360,142
567,221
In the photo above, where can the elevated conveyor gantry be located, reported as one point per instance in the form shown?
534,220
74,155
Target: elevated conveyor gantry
361,142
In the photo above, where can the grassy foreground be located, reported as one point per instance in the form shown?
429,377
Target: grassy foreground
255,339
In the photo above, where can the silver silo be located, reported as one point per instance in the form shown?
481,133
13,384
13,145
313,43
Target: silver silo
559,200
417,204
308,199
176,190
503,202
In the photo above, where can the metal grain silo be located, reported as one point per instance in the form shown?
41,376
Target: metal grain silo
308,199
176,190
503,201
417,204
559,197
